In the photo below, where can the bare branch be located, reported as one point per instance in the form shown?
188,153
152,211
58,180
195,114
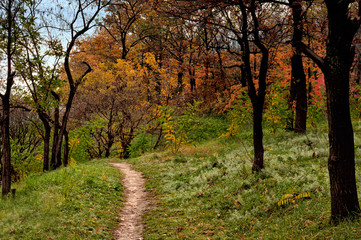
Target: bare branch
311,54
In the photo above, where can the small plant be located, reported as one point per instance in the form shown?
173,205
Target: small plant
240,115
180,129
82,143
278,112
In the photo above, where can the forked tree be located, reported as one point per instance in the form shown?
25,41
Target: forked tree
83,19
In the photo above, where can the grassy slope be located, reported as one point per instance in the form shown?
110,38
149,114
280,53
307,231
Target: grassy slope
78,202
209,192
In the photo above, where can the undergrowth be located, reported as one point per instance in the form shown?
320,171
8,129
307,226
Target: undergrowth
209,191
77,202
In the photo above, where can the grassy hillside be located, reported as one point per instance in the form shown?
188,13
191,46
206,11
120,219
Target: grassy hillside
209,191
77,202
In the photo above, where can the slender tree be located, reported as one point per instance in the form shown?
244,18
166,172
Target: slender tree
298,89
40,78
12,17
257,96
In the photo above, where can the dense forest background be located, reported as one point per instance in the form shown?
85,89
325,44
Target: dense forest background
90,79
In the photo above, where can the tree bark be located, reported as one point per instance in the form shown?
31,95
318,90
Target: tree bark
180,82
109,145
54,160
257,96
337,65
6,163
258,136
298,78
59,139
66,148
47,129
336,68
5,123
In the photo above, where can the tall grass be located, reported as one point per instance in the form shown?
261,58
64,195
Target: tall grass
77,202
209,191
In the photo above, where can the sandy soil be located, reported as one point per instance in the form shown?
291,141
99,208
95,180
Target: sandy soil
131,225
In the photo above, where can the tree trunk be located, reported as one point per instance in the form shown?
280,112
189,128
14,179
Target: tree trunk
257,136
6,163
5,123
180,82
341,161
298,78
109,145
158,138
59,139
257,96
54,159
46,139
124,45
126,153
66,148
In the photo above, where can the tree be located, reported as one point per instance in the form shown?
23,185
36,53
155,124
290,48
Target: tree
77,30
257,96
12,19
244,35
121,20
41,77
298,89
248,32
342,27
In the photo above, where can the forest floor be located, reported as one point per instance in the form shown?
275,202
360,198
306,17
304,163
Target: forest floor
135,205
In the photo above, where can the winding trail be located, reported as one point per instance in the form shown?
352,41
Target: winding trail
131,225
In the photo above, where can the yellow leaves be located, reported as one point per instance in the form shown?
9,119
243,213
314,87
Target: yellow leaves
119,147
74,141
292,198
151,61
287,196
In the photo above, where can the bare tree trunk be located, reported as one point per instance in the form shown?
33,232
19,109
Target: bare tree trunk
298,78
5,123
66,148
6,163
341,161
258,137
158,138
46,139
180,82
53,161
109,145
59,139
336,68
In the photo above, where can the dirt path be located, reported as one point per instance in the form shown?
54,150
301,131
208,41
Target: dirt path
131,225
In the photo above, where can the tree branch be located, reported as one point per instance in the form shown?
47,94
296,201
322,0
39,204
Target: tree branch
311,54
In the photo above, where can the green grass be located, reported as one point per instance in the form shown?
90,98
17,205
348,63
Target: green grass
209,191
77,202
